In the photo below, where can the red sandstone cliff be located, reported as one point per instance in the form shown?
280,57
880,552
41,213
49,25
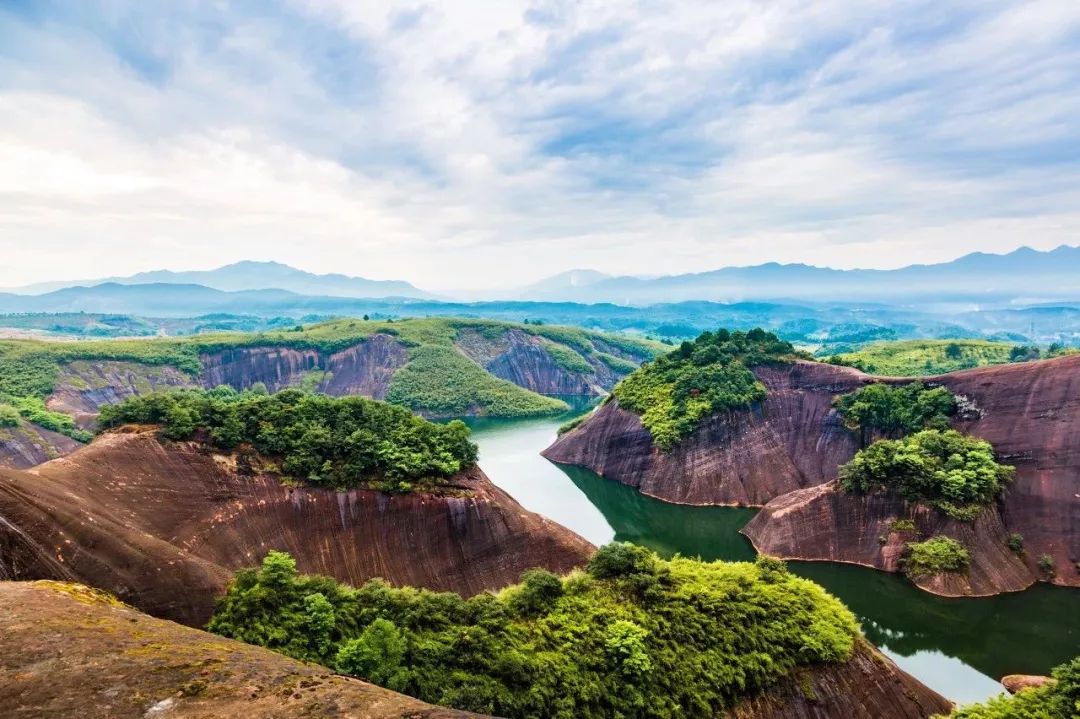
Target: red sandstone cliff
1029,411
163,525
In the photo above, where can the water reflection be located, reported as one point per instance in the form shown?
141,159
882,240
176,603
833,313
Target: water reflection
957,646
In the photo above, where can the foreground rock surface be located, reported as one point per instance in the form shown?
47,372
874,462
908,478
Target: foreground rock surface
795,442
66,651
164,525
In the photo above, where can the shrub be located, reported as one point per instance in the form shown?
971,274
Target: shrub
1046,565
9,416
935,555
948,470
896,410
1060,698
713,634
338,442
675,392
1016,543
903,525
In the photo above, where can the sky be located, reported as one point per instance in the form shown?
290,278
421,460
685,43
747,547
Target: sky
480,145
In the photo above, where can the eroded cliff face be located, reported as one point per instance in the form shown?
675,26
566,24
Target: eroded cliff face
164,525
68,652
521,358
793,440
83,387
868,686
825,522
27,444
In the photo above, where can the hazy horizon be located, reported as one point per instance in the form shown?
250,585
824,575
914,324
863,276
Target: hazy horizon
484,146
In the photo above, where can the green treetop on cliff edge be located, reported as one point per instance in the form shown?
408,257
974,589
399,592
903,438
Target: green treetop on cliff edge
945,469
633,635
676,391
328,441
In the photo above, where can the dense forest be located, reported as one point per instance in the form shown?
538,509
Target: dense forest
632,635
327,441
945,469
676,391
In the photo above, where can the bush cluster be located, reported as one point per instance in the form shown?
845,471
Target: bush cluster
676,391
935,555
895,410
336,442
632,635
945,469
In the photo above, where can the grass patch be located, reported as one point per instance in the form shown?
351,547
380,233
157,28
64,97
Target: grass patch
911,358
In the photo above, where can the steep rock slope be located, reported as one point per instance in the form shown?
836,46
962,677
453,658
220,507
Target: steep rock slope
793,440
28,444
66,650
824,522
163,525
83,387
1029,411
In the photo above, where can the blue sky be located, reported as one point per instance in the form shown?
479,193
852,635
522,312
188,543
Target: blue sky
487,144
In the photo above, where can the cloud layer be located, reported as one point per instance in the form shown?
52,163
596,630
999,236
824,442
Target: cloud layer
474,144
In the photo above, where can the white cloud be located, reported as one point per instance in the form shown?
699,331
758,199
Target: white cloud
457,144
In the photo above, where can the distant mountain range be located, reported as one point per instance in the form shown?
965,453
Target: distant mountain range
249,275
1024,276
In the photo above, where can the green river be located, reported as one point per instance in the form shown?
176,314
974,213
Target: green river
960,647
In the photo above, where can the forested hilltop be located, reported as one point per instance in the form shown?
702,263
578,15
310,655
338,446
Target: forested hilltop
632,635
439,367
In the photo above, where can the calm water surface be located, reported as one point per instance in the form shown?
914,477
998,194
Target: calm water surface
957,646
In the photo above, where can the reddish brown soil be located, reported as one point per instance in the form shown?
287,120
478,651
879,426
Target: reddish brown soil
66,651
164,525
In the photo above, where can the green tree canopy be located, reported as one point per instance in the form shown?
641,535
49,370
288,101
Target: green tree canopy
953,472
633,635
337,442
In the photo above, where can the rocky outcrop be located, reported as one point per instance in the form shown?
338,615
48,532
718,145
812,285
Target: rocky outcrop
523,359
1014,683
868,686
363,369
164,525
82,387
67,651
825,522
28,444
792,440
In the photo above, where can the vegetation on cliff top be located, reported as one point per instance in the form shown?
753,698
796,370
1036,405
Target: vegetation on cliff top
335,442
1059,699
894,410
632,635
945,469
676,391
29,369
911,358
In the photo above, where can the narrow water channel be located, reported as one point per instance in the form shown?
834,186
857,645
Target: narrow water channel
959,647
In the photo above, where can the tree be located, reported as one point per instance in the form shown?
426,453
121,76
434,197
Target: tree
375,655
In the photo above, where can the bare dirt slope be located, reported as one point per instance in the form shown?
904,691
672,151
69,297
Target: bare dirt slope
66,651
164,525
